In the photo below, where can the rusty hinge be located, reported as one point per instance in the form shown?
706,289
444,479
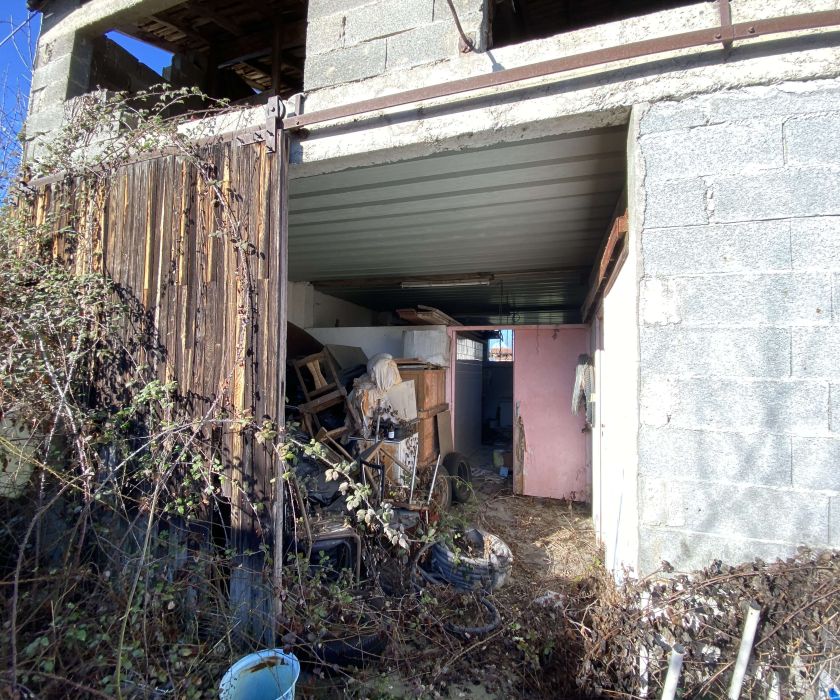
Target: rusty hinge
275,111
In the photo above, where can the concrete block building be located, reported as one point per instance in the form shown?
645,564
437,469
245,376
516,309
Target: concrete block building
653,184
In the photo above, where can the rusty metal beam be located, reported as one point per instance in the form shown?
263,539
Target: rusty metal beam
587,59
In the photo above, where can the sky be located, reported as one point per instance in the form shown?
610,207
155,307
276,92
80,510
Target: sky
18,41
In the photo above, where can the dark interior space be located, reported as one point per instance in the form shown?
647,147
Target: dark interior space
515,21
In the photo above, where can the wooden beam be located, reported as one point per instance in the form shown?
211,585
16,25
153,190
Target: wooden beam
195,36
277,57
606,264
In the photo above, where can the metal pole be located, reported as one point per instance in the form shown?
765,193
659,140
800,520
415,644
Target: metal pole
434,479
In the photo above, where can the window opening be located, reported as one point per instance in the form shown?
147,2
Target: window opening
500,349
515,21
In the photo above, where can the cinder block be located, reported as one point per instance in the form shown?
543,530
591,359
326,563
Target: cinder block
816,353
462,7
325,34
812,139
670,116
815,243
763,299
386,17
834,424
321,8
658,301
790,98
717,248
744,511
355,63
834,523
816,463
689,551
714,149
742,405
777,194
675,203
715,352
53,76
758,458
432,42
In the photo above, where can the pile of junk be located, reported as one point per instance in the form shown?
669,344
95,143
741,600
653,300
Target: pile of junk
372,475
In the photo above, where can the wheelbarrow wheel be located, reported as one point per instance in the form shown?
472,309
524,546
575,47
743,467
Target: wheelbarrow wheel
442,490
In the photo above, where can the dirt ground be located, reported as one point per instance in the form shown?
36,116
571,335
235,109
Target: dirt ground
555,558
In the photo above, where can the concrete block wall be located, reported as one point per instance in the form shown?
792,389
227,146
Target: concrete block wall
739,439
351,40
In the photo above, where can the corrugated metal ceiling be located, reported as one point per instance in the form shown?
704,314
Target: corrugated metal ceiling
516,207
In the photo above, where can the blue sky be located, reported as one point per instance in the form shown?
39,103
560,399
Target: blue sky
17,53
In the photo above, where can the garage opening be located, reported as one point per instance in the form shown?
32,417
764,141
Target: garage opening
477,270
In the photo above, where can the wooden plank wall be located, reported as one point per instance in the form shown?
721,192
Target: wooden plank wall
207,307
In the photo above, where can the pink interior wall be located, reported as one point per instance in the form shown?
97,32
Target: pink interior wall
554,462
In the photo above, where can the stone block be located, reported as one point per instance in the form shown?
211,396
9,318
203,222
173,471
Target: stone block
717,248
462,7
386,17
739,510
757,458
325,34
713,149
354,63
670,116
321,8
658,301
675,203
715,352
53,76
834,424
816,463
812,139
816,352
688,551
777,194
432,42
815,243
763,299
742,405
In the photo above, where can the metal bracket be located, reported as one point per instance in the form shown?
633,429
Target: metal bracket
275,111
727,31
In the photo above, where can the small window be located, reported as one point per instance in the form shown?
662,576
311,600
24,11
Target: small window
501,349
515,21
470,349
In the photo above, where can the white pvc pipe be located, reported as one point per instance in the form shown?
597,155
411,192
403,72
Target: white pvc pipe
644,654
744,651
669,690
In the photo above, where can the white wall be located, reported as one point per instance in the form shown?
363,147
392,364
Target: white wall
615,457
372,339
308,308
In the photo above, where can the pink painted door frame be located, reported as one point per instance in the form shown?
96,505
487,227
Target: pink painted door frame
549,455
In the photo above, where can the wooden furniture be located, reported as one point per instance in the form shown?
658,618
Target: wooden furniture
430,389
322,390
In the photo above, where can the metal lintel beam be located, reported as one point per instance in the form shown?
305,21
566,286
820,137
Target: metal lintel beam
390,282
587,59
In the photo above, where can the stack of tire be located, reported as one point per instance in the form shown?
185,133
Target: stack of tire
488,572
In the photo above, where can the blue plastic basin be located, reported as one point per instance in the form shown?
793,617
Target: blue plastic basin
269,674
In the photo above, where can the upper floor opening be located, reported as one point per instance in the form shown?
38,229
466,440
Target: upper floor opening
515,21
